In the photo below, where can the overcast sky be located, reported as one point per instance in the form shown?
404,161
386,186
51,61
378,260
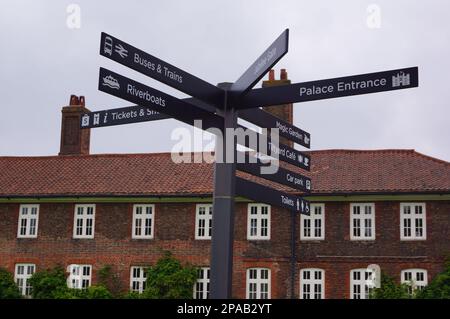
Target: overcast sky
43,61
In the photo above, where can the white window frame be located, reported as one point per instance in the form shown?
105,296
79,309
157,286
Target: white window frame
140,280
201,286
143,217
413,217
28,270
414,283
311,283
364,285
313,219
259,218
77,277
84,218
362,217
25,220
203,220
258,283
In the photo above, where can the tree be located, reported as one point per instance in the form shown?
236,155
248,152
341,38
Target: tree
50,284
169,279
389,289
8,288
439,288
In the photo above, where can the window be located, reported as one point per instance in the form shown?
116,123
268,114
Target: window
312,283
138,277
362,221
258,283
203,221
143,221
22,274
415,279
79,276
201,287
258,224
413,221
313,226
84,221
28,221
362,282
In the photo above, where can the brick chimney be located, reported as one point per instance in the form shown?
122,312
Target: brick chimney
74,140
284,111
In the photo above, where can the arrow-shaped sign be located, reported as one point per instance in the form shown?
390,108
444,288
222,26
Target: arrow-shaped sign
135,92
263,64
119,116
282,176
330,88
267,195
147,64
266,120
284,152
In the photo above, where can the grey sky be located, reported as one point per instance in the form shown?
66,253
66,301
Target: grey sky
42,62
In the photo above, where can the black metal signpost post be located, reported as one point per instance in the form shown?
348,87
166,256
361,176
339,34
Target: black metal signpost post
219,107
223,211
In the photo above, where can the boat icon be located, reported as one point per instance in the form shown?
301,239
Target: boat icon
111,82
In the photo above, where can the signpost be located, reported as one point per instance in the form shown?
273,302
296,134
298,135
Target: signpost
264,194
123,115
282,176
263,64
287,130
135,92
331,88
219,107
138,60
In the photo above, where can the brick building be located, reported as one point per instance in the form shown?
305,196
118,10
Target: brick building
387,209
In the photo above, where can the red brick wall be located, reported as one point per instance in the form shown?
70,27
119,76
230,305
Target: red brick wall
174,231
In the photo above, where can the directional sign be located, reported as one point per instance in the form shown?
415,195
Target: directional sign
263,194
285,153
160,70
331,88
123,115
135,92
263,64
266,120
282,176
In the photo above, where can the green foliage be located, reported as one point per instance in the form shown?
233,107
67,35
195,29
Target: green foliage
439,288
50,284
8,288
93,292
389,289
109,280
169,279
133,295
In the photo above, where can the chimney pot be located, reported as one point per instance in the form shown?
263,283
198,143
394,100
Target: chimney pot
272,75
283,74
74,100
82,103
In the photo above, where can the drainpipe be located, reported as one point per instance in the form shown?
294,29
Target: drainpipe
293,253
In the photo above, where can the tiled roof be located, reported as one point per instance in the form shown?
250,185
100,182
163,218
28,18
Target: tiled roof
332,172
